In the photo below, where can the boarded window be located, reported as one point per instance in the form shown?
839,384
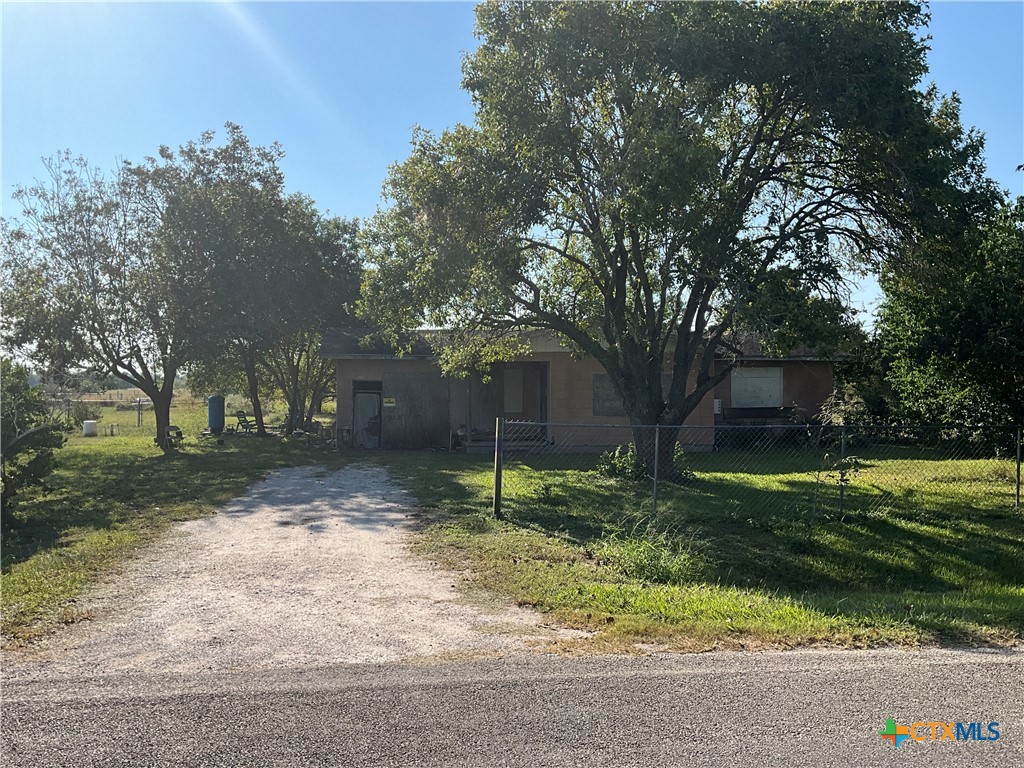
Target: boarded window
608,403
513,390
757,387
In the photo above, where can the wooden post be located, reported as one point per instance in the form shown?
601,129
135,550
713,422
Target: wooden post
842,471
499,448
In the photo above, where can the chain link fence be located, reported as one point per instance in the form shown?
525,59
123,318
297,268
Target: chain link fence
833,471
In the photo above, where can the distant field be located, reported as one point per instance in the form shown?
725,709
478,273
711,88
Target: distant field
117,394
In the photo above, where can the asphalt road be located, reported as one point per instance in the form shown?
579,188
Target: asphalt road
810,708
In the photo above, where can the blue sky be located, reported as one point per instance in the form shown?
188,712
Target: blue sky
340,85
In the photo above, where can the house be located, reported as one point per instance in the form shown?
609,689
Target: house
768,390
390,401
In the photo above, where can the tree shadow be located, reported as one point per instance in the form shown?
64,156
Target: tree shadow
123,482
797,535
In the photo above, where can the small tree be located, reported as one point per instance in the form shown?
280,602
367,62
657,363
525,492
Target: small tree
321,266
28,435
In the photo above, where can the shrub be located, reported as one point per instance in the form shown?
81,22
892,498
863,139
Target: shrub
28,435
625,463
82,410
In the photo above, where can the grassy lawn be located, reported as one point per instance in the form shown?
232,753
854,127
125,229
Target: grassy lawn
112,495
753,552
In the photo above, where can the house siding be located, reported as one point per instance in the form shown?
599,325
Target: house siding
429,407
806,384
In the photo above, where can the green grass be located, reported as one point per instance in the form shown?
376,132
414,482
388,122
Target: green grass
754,551
111,495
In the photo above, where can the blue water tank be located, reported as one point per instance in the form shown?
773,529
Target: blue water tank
215,413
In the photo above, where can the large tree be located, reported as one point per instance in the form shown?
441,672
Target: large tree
88,286
139,274
222,217
952,325
648,179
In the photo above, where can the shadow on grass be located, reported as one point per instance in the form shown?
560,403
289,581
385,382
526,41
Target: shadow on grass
789,534
906,556
118,482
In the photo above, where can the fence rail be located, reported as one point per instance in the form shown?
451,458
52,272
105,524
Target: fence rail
814,470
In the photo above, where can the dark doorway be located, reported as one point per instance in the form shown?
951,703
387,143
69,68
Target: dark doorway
366,405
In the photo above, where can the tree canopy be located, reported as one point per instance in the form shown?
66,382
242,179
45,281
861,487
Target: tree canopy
952,327
88,288
647,180
194,260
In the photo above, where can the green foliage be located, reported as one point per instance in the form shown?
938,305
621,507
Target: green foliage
622,462
625,463
299,280
952,324
649,555
645,180
81,410
174,262
28,436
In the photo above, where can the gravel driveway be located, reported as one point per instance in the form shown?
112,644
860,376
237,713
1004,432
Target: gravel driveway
307,569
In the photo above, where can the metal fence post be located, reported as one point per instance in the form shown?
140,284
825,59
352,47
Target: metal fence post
657,451
842,469
499,449
1016,504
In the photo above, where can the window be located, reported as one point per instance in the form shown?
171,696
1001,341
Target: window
606,400
757,387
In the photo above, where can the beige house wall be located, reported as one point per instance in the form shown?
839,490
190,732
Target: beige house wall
571,398
432,408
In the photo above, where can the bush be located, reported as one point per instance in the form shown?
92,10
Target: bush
82,410
28,435
625,463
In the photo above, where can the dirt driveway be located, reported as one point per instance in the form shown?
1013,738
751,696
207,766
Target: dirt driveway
309,568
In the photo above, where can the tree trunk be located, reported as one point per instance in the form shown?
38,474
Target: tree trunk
162,411
644,440
249,361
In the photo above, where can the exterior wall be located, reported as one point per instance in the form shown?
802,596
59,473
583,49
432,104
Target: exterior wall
430,407
571,401
421,416
805,386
